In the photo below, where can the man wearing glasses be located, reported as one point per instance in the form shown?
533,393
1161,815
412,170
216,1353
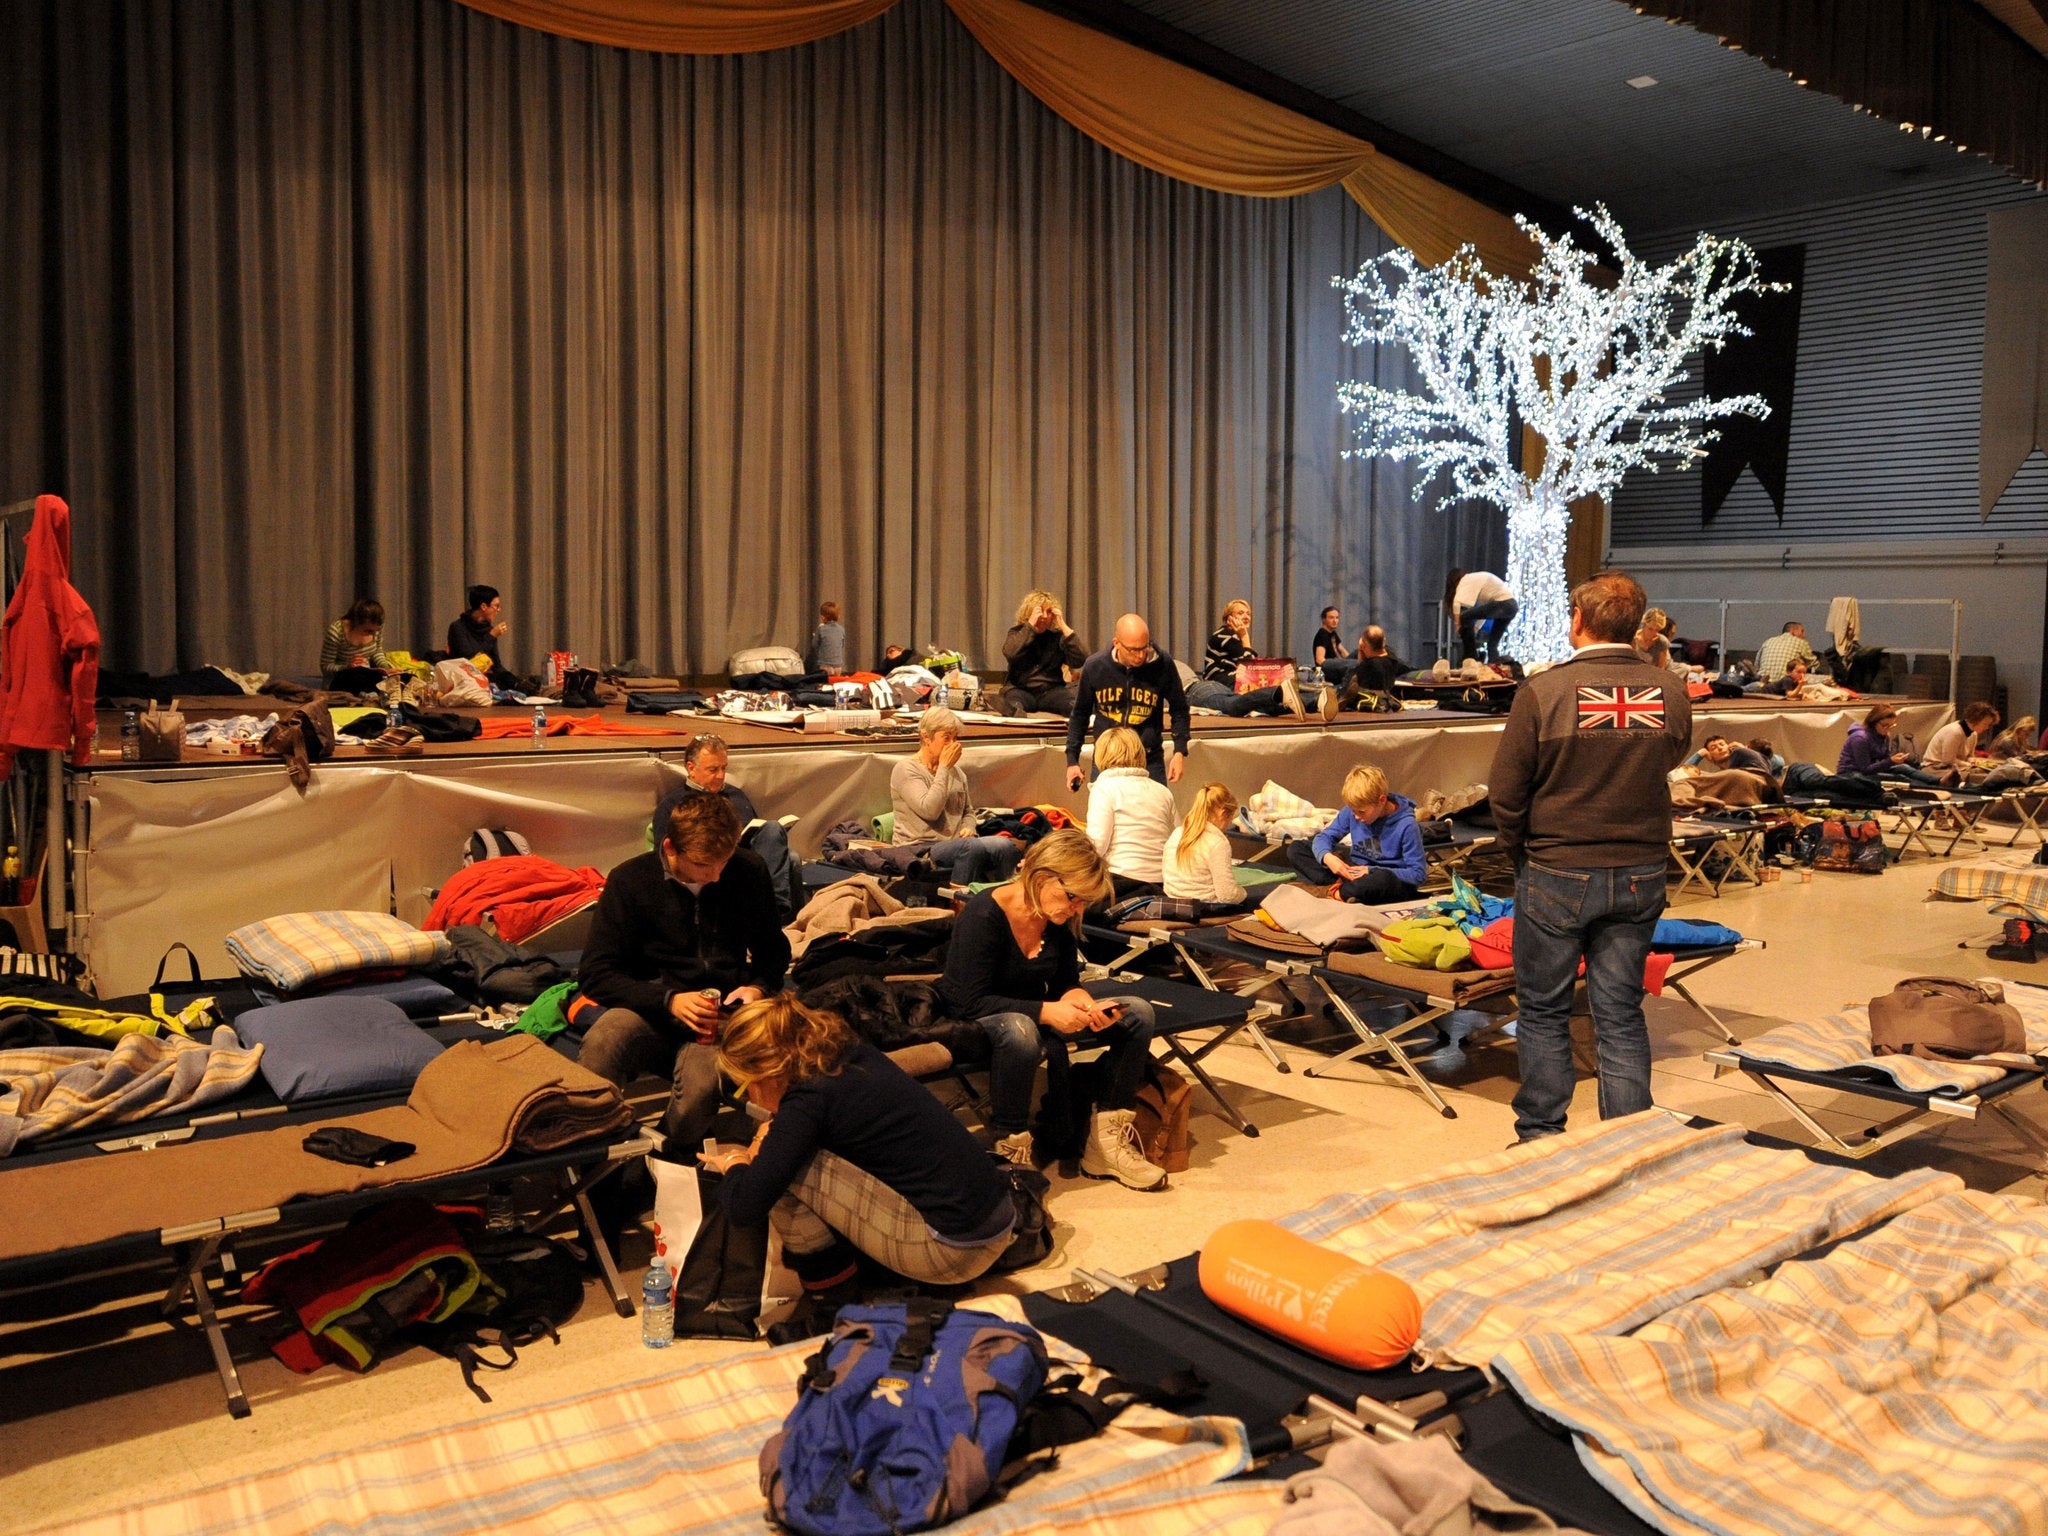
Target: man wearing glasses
1135,684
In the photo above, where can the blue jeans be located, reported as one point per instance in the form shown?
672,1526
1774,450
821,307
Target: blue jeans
1209,694
1017,1044
1379,888
1338,669
1607,917
973,859
1493,617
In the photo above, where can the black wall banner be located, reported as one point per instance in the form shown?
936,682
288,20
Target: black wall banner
1765,363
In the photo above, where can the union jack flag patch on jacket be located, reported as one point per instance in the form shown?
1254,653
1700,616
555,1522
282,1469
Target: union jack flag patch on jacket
1621,708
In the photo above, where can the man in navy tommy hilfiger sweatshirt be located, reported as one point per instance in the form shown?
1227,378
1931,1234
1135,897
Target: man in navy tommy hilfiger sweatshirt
1134,684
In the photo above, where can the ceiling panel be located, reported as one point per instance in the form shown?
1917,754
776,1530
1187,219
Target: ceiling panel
1536,92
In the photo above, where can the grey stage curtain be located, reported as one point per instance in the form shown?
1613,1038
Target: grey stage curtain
381,297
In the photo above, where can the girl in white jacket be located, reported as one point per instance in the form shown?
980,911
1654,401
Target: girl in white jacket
1130,813
1197,860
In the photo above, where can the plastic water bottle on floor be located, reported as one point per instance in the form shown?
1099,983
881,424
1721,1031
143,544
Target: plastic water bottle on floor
658,1303
540,726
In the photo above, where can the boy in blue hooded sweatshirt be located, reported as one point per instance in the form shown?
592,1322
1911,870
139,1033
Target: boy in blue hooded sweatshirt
1372,852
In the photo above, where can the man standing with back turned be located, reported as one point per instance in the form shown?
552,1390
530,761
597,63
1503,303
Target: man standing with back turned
1582,806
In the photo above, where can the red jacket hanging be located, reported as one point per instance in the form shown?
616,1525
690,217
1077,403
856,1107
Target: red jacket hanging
49,649
522,892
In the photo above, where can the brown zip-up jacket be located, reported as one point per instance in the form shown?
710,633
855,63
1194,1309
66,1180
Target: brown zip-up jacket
1578,780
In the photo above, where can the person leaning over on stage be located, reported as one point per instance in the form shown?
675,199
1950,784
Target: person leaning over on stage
1960,740
705,759
1782,649
928,792
1372,851
1014,965
855,1154
1581,805
1039,648
1229,644
1132,683
1476,601
354,640
1130,814
1327,650
681,936
1196,860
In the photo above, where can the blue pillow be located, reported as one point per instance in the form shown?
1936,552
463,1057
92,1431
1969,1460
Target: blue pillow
321,1047
421,997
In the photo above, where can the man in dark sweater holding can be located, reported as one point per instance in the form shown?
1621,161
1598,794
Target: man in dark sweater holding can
1582,805
682,937
1134,684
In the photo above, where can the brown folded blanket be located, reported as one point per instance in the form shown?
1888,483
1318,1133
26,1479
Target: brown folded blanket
474,1103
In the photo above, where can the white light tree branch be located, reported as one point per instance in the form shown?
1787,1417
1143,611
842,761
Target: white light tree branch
1585,358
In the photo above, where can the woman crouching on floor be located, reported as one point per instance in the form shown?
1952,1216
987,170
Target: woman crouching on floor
1014,966
857,1154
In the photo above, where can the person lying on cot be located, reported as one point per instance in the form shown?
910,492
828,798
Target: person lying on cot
1372,851
353,642
855,1154
1196,861
1717,751
681,937
704,765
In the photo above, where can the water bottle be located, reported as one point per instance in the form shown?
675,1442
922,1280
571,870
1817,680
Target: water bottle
131,737
394,717
658,1303
540,726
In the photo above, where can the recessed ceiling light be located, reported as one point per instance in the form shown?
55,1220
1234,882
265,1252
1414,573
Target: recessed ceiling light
1642,82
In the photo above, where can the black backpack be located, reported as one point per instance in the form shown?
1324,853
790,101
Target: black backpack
532,1286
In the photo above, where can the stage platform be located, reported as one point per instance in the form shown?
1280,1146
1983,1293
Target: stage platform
188,852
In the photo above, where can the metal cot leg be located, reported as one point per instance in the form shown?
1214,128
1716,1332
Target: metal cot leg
1371,1040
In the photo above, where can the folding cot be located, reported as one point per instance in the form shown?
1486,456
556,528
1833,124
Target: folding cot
198,1245
1700,838
1428,995
1444,859
2022,887
1959,810
1835,1053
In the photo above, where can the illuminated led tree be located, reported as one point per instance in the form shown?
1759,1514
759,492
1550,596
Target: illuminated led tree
1583,357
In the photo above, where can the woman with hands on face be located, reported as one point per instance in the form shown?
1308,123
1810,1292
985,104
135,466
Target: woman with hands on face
1014,966
1037,652
928,791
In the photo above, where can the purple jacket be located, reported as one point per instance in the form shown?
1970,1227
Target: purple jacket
1865,751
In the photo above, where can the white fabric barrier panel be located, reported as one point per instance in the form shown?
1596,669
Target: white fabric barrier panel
192,854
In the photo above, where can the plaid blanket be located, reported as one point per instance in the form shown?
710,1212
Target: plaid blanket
1898,1384
48,1089
2013,880
675,1454
298,949
1841,1041
1598,1230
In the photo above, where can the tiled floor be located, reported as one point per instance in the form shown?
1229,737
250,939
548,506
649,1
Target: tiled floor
137,1411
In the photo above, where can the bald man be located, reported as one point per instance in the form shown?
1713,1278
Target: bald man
1135,684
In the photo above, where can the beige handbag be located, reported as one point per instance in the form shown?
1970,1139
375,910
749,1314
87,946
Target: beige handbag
162,735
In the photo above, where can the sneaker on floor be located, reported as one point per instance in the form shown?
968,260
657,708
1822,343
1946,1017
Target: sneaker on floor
1328,703
399,741
1440,670
1112,1151
1016,1149
1290,695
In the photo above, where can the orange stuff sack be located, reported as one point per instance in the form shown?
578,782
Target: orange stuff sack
1328,1304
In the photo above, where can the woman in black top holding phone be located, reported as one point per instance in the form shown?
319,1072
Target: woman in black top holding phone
1014,966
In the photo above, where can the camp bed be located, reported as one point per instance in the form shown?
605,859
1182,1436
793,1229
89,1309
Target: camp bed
1183,1011
1959,811
1737,842
197,1251
1443,859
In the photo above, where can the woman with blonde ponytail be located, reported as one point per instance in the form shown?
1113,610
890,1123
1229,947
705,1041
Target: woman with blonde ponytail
1197,861
856,1154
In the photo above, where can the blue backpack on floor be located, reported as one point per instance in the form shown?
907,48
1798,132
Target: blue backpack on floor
904,1419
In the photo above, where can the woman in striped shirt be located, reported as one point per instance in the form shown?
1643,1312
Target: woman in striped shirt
1216,687
353,640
